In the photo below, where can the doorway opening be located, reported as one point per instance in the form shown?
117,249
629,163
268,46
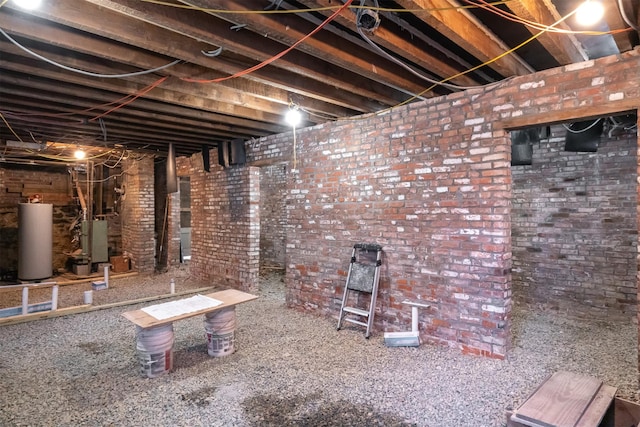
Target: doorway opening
574,217
185,219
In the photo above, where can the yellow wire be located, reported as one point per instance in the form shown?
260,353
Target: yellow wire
539,26
536,25
7,123
502,55
316,9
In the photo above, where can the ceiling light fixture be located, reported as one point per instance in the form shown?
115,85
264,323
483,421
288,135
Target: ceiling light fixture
293,116
28,4
79,154
589,13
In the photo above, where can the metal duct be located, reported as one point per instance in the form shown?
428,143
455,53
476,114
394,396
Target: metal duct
172,176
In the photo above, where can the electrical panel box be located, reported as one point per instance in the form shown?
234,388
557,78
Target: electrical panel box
99,242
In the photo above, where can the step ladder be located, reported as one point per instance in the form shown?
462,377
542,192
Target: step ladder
363,277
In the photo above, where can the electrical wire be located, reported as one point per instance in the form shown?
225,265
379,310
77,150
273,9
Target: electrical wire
393,58
491,85
71,113
117,163
470,5
624,15
315,9
568,128
407,67
277,56
538,26
133,97
10,128
87,73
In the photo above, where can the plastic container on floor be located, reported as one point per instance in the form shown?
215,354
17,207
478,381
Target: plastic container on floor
220,328
155,350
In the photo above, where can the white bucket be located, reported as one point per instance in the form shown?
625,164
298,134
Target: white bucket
155,350
220,327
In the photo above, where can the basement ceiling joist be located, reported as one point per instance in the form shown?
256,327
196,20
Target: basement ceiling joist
337,72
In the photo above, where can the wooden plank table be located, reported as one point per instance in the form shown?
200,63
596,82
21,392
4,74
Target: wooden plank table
157,359
229,298
565,400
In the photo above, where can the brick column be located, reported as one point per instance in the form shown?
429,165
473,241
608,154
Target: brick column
138,217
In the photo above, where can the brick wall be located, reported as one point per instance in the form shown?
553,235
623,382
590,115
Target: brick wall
273,215
137,212
225,222
574,238
17,184
431,183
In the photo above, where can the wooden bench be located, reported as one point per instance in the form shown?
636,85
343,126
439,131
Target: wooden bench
567,400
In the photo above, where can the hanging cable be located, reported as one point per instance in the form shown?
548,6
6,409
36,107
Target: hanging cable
313,9
408,68
568,128
491,85
277,56
133,98
70,113
490,7
624,15
87,73
10,128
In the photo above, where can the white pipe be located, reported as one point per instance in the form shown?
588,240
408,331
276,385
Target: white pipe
25,300
416,304
54,298
106,275
414,319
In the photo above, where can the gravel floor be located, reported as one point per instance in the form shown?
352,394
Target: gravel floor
290,369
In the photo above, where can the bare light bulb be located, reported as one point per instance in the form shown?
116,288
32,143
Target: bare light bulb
28,4
293,117
79,154
589,13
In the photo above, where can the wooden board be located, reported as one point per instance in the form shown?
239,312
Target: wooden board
560,401
600,404
44,314
627,414
229,298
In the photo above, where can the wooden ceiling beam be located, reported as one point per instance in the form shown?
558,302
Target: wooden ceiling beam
287,30
116,130
117,135
186,33
464,29
82,42
393,42
219,111
41,90
628,39
215,98
565,48
141,109
19,100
